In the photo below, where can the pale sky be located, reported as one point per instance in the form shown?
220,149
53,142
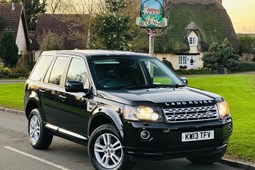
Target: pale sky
242,14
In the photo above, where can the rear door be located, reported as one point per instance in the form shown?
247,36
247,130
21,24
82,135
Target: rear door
54,84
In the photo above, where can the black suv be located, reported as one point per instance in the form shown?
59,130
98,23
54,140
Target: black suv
125,107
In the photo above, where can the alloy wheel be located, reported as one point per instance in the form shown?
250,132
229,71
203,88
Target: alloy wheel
34,129
108,150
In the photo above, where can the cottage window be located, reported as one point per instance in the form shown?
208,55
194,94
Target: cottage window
182,60
193,40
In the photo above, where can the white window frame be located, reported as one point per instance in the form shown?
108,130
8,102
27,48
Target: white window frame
193,40
183,60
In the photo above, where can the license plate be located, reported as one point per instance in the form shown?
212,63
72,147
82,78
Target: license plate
197,136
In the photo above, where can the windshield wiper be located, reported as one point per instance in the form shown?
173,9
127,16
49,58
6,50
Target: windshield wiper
152,86
171,85
138,87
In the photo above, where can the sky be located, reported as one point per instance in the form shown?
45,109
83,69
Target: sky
153,4
242,14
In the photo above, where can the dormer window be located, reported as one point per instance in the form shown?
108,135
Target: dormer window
192,40
193,35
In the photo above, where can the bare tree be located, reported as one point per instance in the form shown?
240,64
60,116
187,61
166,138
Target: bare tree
75,7
50,41
54,5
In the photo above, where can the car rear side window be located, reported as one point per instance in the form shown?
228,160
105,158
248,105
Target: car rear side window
41,67
58,70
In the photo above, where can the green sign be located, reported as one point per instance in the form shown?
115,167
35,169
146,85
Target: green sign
152,14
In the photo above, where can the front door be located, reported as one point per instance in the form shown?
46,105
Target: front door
191,62
74,115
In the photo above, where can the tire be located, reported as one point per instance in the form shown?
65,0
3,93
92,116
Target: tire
208,159
105,149
39,136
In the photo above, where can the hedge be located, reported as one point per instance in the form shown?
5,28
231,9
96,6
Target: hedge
6,72
192,71
246,66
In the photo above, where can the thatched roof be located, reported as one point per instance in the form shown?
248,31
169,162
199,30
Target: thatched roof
192,26
207,16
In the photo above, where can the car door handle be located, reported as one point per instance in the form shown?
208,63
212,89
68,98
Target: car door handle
62,98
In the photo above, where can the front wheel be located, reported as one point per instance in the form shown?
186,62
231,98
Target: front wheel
106,150
208,159
39,136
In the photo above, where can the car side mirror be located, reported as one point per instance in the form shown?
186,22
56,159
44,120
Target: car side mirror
74,86
185,80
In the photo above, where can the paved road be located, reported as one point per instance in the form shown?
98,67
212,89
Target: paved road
7,81
17,154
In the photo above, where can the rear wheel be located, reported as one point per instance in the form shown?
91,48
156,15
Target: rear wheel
106,150
208,159
39,136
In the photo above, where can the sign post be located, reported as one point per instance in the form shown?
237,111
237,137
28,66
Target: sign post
151,18
152,33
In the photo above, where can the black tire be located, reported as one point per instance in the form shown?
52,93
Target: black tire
208,159
39,136
111,154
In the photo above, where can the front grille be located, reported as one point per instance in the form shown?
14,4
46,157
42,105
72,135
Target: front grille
188,114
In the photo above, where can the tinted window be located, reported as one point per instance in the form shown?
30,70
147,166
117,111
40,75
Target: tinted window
78,72
118,72
41,67
58,70
133,72
158,74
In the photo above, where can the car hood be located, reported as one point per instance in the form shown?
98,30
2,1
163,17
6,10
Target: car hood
158,96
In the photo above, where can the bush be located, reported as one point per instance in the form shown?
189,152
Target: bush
5,72
183,67
246,66
253,59
17,72
20,71
197,71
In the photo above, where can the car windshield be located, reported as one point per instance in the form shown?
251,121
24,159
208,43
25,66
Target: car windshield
133,73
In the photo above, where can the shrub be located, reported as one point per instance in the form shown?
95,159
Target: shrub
246,66
16,72
20,71
183,67
253,59
192,71
5,72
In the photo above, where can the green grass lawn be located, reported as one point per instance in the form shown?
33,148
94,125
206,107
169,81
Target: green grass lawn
237,89
11,95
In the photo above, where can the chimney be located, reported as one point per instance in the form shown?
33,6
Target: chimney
13,7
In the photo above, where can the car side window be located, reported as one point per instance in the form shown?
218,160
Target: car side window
78,72
41,67
58,70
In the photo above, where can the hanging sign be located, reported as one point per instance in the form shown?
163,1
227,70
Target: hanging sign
151,14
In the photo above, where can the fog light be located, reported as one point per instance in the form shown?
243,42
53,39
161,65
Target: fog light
230,127
145,135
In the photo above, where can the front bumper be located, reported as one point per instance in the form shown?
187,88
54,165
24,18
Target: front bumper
165,141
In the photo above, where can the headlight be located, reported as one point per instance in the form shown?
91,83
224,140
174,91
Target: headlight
223,109
142,113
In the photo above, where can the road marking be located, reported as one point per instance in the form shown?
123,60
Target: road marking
36,158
